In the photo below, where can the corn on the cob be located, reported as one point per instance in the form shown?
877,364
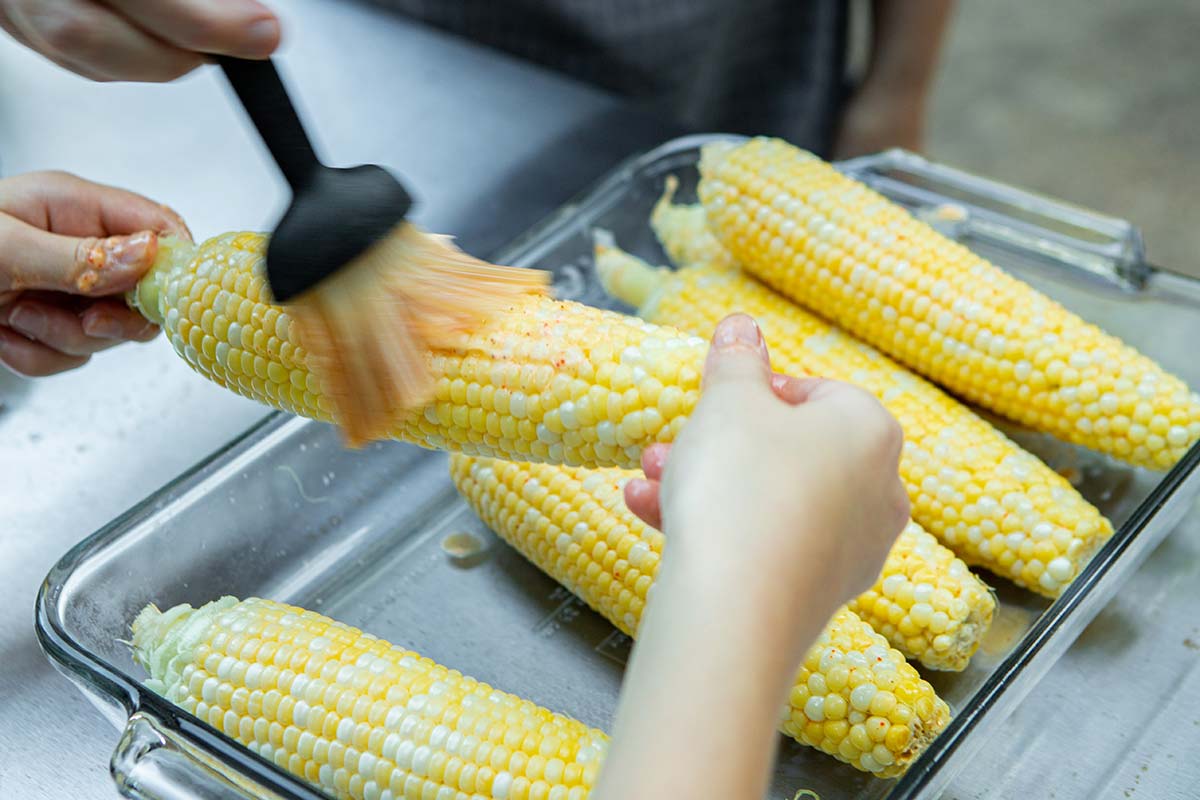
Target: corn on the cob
549,380
683,231
839,248
573,524
989,501
354,715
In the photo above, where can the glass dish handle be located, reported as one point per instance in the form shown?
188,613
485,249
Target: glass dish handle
153,762
967,207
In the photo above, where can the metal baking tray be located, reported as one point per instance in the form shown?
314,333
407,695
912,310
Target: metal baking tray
284,512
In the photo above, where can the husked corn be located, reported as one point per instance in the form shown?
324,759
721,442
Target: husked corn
574,525
989,501
864,263
355,715
549,380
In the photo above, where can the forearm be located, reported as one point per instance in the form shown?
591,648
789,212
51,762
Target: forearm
700,705
906,40
888,107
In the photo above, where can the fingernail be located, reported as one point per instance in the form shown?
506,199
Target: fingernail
262,36
130,251
178,227
29,321
102,327
736,330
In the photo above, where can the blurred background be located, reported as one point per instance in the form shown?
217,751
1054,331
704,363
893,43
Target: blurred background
1092,101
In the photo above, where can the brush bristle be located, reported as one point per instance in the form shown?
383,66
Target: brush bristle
369,328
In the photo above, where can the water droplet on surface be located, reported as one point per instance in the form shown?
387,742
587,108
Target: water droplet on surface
463,546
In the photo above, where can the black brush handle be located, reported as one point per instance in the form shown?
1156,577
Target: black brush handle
265,98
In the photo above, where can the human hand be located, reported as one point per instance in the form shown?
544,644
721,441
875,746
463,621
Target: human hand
879,117
786,493
68,249
140,40
773,473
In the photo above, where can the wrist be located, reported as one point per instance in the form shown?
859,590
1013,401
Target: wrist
888,91
777,605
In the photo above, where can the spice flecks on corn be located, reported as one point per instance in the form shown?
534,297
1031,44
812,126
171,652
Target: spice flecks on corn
574,525
355,715
991,502
845,251
548,380
562,383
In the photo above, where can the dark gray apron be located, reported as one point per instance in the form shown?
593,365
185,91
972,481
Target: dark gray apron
771,67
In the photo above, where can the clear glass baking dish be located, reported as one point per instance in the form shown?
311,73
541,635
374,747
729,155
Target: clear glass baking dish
285,512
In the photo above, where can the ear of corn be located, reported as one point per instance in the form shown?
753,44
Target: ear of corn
992,503
546,380
354,715
573,524
841,249
368,325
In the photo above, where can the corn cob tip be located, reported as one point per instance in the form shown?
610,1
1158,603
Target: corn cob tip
145,297
713,153
623,275
927,603
682,230
856,698
666,200
159,636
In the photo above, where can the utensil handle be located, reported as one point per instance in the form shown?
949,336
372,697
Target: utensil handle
266,100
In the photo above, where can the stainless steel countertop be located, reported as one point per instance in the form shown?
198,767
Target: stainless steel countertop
500,144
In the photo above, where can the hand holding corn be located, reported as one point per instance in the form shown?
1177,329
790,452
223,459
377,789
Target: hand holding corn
754,497
994,504
764,469
68,250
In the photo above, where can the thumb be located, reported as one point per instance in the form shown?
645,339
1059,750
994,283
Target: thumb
738,354
31,258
